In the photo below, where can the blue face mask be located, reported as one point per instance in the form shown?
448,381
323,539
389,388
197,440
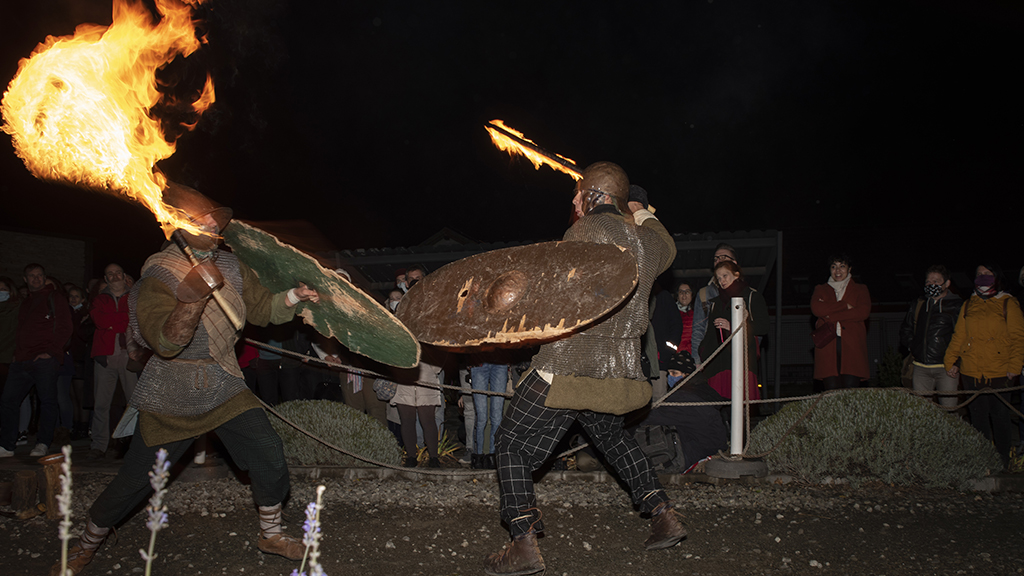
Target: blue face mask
76,306
4,295
673,380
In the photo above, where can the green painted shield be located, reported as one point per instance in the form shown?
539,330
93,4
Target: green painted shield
344,312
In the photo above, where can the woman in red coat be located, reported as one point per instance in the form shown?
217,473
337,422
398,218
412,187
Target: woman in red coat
844,305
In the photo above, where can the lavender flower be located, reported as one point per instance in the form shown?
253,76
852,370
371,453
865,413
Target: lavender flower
311,537
156,510
64,506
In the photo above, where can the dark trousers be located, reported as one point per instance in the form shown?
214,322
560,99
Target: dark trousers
249,438
990,415
21,377
528,435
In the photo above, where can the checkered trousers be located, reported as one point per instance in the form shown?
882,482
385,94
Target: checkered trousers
528,435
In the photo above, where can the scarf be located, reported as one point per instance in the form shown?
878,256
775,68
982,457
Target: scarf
839,287
735,289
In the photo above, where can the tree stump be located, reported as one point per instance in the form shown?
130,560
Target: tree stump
25,491
50,484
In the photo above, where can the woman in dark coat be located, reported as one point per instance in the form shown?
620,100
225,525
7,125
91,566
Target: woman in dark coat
719,369
843,305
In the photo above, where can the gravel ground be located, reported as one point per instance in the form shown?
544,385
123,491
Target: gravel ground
430,526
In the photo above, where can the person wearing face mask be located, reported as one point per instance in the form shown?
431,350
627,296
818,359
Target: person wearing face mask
987,351
926,332
843,305
394,297
702,430
718,370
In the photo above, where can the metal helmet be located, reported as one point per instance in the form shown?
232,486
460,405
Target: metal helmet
603,179
195,205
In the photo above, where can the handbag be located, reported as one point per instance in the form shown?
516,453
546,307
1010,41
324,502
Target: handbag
823,334
385,389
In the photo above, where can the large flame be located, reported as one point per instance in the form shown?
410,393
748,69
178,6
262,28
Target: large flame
78,109
513,147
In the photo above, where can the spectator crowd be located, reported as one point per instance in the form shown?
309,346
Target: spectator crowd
69,363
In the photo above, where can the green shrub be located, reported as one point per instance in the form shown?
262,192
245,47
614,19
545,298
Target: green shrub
890,370
335,423
876,434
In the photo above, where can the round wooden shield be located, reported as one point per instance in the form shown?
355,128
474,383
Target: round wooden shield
519,296
344,312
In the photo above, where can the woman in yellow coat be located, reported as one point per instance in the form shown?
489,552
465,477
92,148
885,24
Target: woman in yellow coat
987,350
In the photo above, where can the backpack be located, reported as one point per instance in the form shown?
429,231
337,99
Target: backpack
662,447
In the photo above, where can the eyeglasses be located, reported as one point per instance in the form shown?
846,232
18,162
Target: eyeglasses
686,291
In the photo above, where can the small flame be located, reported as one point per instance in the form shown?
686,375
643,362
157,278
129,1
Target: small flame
78,108
503,142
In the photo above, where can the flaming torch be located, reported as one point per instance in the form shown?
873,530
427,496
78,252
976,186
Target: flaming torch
78,110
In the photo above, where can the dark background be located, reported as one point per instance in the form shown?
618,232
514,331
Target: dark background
889,130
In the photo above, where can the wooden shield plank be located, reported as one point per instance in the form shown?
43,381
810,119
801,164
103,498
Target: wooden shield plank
519,296
344,312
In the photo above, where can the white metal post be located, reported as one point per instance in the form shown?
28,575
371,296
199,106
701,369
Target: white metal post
736,323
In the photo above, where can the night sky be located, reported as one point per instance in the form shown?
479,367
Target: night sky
366,119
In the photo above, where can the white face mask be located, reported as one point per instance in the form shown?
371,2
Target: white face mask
4,295
76,306
393,304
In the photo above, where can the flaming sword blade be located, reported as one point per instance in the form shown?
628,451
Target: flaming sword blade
513,142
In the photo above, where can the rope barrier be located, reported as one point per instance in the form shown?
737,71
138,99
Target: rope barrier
659,402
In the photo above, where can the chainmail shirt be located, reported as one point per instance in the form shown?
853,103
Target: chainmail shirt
611,348
191,382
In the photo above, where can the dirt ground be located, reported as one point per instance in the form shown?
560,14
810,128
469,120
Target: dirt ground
591,530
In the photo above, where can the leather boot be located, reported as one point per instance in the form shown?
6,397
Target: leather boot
518,558
666,528
282,545
489,462
78,557
410,462
433,463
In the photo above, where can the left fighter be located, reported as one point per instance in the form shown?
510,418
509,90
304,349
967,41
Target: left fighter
192,384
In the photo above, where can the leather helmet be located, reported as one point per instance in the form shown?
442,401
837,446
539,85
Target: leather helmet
195,205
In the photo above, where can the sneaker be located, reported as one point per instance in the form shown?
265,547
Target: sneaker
39,450
23,438
200,457
5,453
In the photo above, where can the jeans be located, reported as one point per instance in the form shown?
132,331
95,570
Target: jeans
932,379
22,377
64,402
492,378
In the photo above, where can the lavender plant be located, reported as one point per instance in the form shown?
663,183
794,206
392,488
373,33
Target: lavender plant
311,537
156,510
64,506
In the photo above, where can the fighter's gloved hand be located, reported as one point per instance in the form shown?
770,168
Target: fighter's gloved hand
638,195
200,282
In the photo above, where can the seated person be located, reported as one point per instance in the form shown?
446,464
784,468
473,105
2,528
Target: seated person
701,429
